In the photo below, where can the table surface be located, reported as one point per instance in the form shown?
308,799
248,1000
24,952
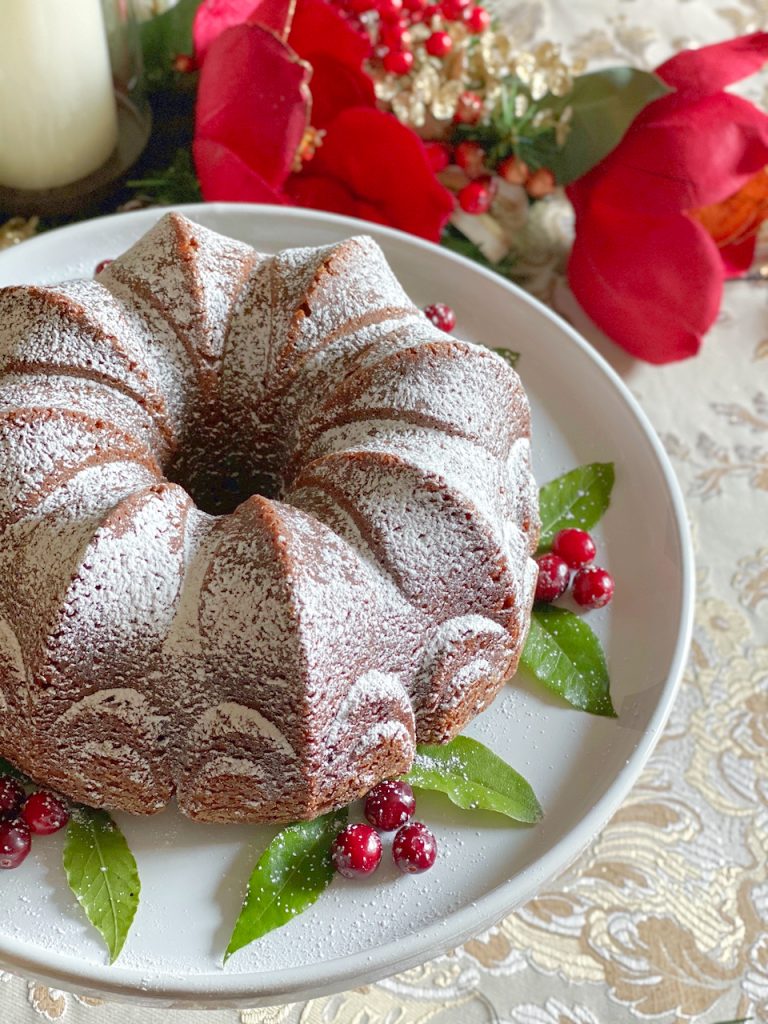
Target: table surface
665,917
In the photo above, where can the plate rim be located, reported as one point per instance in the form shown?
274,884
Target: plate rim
320,979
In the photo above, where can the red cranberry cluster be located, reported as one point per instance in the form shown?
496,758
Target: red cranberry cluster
357,848
397,17
573,549
21,816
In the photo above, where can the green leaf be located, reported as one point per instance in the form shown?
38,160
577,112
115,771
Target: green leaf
289,876
604,105
6,768
102,873
578,498
174,184
508,356
474,778
563,654
164,37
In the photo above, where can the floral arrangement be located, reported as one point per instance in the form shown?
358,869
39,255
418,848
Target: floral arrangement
431,118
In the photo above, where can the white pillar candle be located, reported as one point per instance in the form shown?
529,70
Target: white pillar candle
58,117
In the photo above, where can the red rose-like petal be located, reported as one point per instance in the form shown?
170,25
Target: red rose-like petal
738,257
709,69
215,16
336,52
248,126
373,167
225,177
679,157
653,284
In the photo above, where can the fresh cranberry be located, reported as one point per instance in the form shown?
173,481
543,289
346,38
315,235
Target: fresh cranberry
470,156
44,813
414,848
389,10
453,10
389,805
398,62
427,13
439,44
416,5
513,170
394,34
575,547
441,316
554,577
12,796
593,587
469,109
102,265
356,851
15,843
476,197
438,154
477,20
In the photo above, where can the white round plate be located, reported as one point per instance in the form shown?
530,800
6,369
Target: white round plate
581,767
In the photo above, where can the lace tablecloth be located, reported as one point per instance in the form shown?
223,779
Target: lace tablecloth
665,917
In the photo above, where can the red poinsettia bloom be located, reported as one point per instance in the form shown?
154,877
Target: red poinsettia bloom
644,266
253,140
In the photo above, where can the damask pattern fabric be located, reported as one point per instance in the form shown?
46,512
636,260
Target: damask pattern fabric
665,917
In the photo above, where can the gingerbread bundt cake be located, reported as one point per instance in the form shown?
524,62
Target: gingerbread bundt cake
262,528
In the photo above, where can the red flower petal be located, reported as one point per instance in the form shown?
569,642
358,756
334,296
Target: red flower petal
326,194
679,156
738,257
701,72
654,284
336,52
377,169
259,118
215,16
224,176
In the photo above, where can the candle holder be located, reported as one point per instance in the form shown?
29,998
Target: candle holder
73,114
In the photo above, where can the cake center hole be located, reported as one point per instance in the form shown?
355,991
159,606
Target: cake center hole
218,482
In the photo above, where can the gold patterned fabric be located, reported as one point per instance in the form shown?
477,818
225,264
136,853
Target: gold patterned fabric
665,917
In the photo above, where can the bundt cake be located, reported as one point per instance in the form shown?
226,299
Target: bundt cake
262,528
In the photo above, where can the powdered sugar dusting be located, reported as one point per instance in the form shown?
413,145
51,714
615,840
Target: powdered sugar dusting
274,662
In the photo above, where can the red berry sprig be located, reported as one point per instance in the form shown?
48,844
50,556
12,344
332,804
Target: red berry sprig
572,548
